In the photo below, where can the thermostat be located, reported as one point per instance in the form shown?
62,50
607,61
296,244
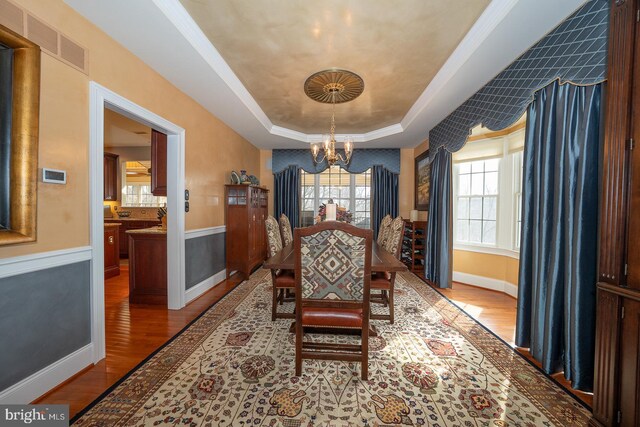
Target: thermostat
54,176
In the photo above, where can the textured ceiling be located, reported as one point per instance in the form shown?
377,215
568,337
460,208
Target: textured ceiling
274,45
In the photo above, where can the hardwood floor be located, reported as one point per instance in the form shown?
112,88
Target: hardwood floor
133,332
497,311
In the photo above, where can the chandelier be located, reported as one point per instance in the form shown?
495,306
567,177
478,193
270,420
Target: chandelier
333,87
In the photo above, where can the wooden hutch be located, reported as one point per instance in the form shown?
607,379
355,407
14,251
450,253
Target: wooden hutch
246,209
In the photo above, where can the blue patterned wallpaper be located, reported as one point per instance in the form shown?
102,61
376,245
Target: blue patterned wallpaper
575,52
361,160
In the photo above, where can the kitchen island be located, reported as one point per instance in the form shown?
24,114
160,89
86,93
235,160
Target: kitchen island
147,266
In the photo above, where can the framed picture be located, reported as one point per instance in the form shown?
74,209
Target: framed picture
423,181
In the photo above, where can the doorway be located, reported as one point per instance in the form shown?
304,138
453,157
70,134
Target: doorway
102,98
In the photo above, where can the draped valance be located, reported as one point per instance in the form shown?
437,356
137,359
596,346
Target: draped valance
575,52
361,160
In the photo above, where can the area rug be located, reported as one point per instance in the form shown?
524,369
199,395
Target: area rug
435,366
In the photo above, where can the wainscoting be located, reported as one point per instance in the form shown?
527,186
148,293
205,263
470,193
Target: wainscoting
45,321
204,260
46,311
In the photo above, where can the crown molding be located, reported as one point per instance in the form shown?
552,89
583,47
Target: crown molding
486,23
184,23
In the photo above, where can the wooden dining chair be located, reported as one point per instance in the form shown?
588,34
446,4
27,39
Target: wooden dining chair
383,230
282,280
285,230
333,272
384,281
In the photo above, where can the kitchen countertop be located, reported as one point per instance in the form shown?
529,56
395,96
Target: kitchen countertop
152,230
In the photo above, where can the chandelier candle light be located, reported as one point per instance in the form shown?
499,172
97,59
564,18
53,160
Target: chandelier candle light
333,86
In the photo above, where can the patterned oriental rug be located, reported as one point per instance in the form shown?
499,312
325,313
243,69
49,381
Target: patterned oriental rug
435,366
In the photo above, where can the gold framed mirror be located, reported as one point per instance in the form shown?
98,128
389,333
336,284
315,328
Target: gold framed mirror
19,125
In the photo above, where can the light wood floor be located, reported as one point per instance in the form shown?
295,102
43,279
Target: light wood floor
133,332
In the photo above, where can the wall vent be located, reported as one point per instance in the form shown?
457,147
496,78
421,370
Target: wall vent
48,38
42,34
73,53
12,17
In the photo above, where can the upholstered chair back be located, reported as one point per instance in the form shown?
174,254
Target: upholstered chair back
333,263
285,230
273,235
395,232
382,232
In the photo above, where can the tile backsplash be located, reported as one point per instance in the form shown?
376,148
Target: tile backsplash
142,213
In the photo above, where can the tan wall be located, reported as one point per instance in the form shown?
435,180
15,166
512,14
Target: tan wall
212,148
492,266
406,183
266,175
424,146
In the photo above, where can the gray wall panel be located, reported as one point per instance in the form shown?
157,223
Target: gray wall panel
44,316
204,257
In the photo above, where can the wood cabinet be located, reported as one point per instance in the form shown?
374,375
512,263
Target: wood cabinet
110,180
148,268
111,250
413,245
246,209
616,397
130,224
158,163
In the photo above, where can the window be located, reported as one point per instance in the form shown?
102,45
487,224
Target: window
136,185
517,158
487,193
477,201
348,190
139,195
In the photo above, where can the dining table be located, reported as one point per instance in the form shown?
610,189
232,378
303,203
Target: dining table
381,260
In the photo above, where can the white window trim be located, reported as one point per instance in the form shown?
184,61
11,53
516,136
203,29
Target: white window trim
506,211
352,194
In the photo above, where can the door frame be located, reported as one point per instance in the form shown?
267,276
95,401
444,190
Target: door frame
99,99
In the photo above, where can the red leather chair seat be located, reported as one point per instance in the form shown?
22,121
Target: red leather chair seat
332,317
285,279
380,280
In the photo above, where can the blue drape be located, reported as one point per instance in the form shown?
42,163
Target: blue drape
384,188
558,255
361,160
439,251
286,194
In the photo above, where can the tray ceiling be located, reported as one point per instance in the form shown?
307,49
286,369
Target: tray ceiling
170,41
397,48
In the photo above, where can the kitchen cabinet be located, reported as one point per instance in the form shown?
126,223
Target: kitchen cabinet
246,209
158,163
110,181
130,224
147,266
111,250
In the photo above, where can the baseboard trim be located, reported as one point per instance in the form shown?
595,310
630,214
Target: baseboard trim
486,283
43,260
202,287
46,379
201,232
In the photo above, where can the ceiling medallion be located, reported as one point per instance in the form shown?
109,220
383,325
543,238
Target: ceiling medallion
333,86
